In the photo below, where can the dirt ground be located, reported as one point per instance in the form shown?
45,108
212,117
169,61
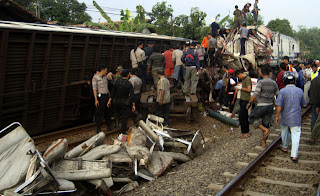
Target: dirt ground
222,150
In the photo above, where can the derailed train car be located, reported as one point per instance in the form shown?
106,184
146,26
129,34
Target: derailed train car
45,69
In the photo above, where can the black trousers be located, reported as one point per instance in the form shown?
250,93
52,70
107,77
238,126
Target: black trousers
223,97
164,111
123,112
218,57
211,56
243,117
243,46
102,111
229,100
137,101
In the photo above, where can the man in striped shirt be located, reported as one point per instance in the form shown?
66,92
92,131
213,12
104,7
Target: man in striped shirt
265,91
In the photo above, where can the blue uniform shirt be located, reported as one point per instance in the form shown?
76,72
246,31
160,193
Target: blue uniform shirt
290,99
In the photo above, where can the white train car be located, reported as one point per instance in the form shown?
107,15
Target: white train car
284,45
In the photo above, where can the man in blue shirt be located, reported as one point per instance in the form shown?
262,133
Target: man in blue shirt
289,104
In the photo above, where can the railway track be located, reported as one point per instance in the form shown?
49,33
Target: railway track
271,171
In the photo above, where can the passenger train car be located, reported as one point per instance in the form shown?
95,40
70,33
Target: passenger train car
45,71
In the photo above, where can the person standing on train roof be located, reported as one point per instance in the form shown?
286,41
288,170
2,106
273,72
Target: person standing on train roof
289,104
279,80
265,91
156,62
245,11
237,18
243,38
191,59
307,78
169,63
245,96
148,52
101,95
122,97
215,28
179,71
137,57
255,12
315,101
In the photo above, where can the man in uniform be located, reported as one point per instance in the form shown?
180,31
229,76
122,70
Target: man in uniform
101,96
122,96
221,44
163,97
136,83
157,62
212,45
237,18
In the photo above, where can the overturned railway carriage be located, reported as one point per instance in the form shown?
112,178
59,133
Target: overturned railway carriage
45,69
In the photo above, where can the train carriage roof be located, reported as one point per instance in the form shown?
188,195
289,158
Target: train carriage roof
81,30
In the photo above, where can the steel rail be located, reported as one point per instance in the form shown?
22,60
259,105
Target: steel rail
231,187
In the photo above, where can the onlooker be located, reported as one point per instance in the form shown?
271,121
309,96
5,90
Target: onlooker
244,100
101,95
237,18
212,45
179,71
191,59
148,52
122,97
245,11
118,73
221,45
231,91
307,78
137,57
300,81
255,12
169,64
217,89
289,104
156,62
163,97
252,32
205,42
296,65
222,92
315,71
215,28
315,101
279,76
265,91
136,83
243,38
201,51
289,67
224,33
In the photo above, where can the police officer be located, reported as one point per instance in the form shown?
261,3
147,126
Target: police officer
122,97
101,95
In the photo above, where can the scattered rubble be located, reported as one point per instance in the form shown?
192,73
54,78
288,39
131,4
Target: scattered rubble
146,152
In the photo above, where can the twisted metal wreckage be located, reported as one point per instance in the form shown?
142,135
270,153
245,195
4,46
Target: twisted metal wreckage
147,152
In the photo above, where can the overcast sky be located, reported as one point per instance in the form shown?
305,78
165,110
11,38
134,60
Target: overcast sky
298,12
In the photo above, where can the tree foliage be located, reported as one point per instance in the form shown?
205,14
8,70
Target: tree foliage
191,26
105,16
309,41
282,26
65,12
161,15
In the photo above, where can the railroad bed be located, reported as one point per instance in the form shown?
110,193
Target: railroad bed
271,172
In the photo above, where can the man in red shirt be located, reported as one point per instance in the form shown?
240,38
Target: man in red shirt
169,63
280,74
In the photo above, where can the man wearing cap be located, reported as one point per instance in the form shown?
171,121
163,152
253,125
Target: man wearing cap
101,96
156,62
265,91
212,45
122,97
215,28
191,59
118,74
307,78
163,97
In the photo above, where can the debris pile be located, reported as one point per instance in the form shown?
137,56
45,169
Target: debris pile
146,152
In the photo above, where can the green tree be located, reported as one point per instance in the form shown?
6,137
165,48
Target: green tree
161,16
105,16
125,24
309,41
282,26
65,12
191,26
